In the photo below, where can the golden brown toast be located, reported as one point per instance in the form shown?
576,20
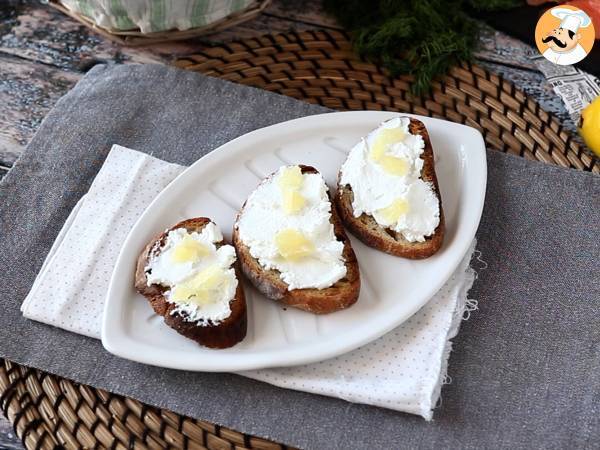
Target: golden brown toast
342,294
374,235
224,334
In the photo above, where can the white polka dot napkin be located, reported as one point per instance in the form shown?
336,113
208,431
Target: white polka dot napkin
70,288
403,370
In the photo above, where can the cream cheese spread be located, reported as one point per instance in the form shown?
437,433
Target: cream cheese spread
286,226
384,172
199,276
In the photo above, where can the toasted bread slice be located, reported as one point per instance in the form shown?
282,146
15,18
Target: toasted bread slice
374,235
224,334
340,295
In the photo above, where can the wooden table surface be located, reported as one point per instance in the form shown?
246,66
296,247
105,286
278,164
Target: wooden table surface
44,53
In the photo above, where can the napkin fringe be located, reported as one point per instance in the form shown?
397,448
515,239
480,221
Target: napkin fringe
463,310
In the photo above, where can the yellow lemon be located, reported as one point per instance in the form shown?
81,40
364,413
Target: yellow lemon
589,126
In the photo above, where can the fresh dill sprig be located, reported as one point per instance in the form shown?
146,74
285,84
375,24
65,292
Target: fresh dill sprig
422,38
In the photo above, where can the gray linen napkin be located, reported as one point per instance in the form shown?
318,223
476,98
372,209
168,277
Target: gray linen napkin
525,368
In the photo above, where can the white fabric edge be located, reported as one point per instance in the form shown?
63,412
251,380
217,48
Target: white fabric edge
50,256
434,383
114,152
116,148
430,389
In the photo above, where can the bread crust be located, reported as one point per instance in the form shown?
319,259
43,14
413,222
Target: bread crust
226,333
374,235
340,295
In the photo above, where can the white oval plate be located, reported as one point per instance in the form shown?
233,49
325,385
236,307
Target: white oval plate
216,186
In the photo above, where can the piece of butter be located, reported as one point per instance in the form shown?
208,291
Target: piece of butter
184,293
293,245
385,137
397,209
290,183
188,250
197,289
210,278
391,164
293,201
394,165
291,178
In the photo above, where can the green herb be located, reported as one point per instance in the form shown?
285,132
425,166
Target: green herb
422,38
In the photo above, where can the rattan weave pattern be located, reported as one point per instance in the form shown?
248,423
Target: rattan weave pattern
48,411
320,67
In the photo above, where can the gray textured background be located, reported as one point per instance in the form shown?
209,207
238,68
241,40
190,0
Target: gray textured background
525,367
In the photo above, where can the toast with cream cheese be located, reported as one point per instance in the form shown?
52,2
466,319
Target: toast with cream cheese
190,276
292,246
388,194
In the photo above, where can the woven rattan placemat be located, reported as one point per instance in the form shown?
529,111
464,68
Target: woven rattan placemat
319,67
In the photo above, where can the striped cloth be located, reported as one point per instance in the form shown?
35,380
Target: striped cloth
155,15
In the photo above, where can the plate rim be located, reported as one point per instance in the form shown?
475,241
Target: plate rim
117,342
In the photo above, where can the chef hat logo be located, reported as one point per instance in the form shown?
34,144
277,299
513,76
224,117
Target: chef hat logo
564,35
571,20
